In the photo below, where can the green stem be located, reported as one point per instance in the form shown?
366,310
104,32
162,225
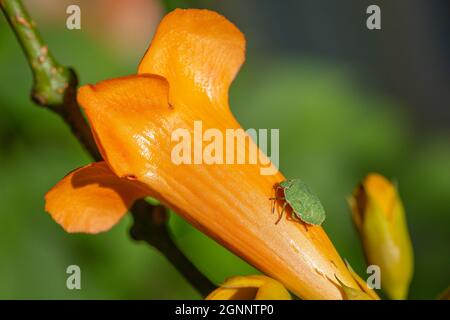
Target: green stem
50,79
54,87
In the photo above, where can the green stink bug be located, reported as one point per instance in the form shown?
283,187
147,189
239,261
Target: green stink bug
305,205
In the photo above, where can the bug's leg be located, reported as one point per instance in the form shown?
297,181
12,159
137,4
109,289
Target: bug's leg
276,198
274,202
281,214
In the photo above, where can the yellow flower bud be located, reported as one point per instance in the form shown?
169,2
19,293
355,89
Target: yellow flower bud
257,287
379,216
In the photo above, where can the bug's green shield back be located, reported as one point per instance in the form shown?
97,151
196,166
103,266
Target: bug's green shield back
305,204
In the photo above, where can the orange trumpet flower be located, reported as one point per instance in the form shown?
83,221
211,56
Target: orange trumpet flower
184,77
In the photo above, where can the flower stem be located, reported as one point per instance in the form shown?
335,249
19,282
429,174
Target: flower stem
54,87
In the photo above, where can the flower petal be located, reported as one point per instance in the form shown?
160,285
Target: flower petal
382,192
127,115
256,287
199,52
91,199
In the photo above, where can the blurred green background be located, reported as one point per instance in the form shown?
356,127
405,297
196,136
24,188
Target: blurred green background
347,102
